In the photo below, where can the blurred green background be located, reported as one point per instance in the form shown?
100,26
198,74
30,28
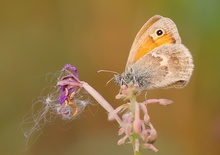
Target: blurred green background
38,37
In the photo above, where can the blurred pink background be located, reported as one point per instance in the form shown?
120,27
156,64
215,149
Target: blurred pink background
40,37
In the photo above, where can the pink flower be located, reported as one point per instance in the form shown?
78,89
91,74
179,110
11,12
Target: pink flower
138,131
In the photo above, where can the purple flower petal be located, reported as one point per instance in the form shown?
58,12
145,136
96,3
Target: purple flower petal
74,69
62,97
66,89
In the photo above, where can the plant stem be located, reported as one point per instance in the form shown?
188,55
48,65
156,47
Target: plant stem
134,107
100,99
137,153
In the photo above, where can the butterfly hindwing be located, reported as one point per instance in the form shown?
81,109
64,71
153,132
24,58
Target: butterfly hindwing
169,65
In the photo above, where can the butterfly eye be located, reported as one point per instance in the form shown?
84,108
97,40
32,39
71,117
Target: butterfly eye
159,32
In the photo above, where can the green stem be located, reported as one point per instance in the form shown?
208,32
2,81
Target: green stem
133,102
137,153
134,136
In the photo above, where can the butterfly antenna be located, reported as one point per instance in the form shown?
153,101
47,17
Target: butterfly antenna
109,81
107,71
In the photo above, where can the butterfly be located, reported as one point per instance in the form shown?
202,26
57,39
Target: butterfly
157,57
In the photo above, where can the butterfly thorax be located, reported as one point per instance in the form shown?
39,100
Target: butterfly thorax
130,76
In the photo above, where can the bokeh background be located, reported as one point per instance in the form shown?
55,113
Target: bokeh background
38,37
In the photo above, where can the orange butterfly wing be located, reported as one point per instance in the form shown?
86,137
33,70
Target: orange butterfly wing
146,39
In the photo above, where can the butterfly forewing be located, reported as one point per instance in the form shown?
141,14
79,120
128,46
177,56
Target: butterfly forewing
146,40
